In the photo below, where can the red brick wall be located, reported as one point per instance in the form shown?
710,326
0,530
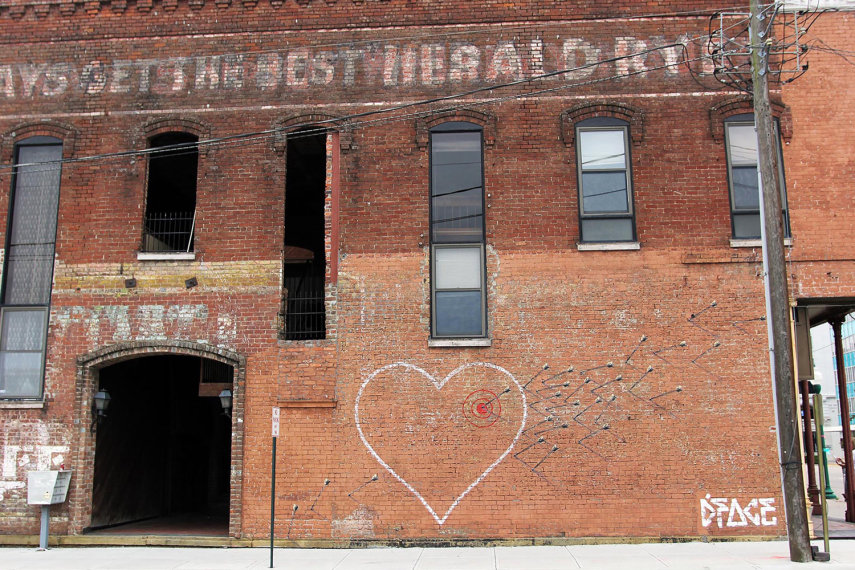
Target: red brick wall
819,165
694,433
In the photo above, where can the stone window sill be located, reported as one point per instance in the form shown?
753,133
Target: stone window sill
616,246
755,242
174,256
22,404
458,342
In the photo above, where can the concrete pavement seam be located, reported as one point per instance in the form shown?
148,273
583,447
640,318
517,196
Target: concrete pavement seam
728,552
419,557
659,560
576,562
342,559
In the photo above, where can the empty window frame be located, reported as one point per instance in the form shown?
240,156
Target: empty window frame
605,181
170,209
304,271
458,284
28,266
743,179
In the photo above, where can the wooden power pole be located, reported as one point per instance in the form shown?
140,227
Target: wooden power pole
779,299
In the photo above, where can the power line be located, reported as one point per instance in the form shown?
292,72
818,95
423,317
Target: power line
347,121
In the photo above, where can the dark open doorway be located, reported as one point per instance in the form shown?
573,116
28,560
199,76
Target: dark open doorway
163,453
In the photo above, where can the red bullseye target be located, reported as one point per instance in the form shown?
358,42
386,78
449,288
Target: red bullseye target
482,408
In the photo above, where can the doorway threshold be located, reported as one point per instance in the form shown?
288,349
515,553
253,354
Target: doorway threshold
185,524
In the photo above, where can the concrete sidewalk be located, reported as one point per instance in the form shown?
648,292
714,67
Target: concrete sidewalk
724,555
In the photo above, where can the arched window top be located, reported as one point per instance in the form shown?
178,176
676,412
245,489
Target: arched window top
742,109
319,122
175,125
458,120
740,118
602,122
169,138
455,126
38,140
38,133
604,111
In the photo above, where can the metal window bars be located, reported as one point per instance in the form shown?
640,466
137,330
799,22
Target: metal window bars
304,309
169,232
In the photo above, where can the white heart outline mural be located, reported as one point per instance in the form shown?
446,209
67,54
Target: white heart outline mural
439,386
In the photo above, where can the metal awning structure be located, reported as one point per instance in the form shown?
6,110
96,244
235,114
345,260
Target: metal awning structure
825,310
833,311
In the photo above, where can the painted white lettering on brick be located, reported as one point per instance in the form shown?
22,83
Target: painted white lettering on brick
268,71
30,75
56,80
577,53
626,47
207,72
322,70
505,63
7,81
433,64
297,75
465,63
392,65
729,513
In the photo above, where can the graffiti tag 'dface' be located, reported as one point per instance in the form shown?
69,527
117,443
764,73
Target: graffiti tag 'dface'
440,438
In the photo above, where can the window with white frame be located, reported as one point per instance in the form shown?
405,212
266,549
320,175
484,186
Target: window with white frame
605,181
458,284
743,179
28,266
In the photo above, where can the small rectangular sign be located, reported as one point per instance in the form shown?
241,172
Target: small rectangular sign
276,422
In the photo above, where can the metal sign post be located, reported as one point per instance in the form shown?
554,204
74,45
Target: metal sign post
817,410
275,432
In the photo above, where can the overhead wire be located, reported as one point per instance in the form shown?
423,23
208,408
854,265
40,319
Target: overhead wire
310,129
351,121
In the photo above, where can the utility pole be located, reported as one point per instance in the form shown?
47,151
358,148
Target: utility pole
779,300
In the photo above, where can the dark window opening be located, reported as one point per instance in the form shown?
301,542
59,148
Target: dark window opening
303,308
170,212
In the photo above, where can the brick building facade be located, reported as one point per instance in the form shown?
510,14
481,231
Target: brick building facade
380,233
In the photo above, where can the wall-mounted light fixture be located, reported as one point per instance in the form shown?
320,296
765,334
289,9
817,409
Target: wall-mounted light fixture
100,403
226,402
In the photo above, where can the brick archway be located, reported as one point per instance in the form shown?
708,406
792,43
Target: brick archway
88,368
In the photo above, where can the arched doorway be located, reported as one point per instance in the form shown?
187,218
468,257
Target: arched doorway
163,451
166,459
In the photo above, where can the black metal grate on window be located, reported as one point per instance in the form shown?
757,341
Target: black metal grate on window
304,310
217,372
169,232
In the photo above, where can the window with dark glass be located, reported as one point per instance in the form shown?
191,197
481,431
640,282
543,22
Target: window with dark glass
458,291
170,208
605,181
28,266
742,161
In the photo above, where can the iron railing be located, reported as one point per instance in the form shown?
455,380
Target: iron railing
169,232
304,310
